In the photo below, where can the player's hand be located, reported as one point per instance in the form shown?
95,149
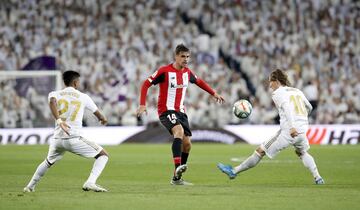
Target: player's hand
219,98
293,132
103,121
141,110
65,127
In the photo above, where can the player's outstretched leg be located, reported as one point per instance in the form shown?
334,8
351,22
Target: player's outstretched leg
40,171
309,163
98,167
250,162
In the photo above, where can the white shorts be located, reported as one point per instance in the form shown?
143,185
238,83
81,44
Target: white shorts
76,145
283,140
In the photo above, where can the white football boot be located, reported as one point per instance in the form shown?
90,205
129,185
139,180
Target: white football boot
177,180
180,170
93,187
180,182
28,189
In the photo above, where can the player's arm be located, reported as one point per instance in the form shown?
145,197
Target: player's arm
154,79
53,107
90,104
100,117
290,118
308,106
203,85
285,106
143,93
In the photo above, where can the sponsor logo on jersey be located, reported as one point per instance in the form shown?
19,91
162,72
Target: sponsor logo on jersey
172,85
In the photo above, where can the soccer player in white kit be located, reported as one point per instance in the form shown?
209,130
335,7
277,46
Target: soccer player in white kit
293,109
67,107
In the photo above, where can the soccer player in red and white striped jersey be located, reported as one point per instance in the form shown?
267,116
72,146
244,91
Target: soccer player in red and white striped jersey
173,80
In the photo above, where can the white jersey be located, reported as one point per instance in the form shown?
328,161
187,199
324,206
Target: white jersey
293,108
71,104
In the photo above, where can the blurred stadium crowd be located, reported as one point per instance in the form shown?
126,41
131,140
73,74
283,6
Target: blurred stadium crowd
116,45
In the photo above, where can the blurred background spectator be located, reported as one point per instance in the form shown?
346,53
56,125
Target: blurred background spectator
115,45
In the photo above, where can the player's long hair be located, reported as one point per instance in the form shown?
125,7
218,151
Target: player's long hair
281,76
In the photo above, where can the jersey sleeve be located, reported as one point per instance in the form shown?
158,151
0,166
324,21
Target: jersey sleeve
308,106
157,77
52,94
193,77
90,104
201,83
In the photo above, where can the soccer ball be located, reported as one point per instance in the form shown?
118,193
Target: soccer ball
242,108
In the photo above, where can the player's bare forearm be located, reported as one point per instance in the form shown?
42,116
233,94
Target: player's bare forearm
140,110
219,98
53,108
100,117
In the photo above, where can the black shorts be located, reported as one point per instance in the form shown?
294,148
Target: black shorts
171,118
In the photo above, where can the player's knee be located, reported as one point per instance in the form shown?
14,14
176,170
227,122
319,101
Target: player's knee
178,131
299,153
102,153
48,163
260,152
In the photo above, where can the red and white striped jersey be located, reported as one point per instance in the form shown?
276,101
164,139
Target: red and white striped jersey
173,84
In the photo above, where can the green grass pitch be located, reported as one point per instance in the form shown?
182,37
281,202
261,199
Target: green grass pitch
138,176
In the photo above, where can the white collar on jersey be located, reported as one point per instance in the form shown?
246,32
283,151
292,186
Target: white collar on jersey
69,88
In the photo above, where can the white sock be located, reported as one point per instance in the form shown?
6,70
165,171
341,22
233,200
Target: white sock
250,162
40,171
309,163
98,167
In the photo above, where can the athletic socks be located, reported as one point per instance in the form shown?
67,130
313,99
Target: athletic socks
98,167
250,162
184,157
176,150
309,163
40,171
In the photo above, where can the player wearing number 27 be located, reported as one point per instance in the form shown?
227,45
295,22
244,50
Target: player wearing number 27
293,109
67,107
173,80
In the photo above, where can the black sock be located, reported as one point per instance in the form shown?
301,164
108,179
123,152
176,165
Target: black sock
176,150
184,157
